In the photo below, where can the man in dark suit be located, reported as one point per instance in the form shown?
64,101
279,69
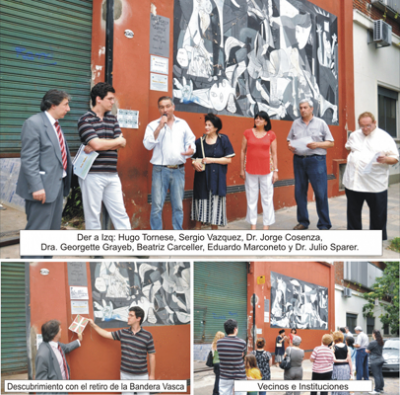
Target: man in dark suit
50,361
46,167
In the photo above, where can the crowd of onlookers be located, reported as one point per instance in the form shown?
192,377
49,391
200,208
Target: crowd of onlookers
339,357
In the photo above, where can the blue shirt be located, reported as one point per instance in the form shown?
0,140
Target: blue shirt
214,177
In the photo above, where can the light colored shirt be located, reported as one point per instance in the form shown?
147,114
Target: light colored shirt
362,340
363,150
53,121
170,143
323,359
317,129
54,346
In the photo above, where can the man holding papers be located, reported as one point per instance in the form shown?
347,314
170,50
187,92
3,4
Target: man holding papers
136,343
50,362
99,131
372,151
308,139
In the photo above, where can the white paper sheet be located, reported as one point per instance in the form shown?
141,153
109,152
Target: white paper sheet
79,307
83,162
301,145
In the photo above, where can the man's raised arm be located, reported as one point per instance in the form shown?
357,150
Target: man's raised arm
100,331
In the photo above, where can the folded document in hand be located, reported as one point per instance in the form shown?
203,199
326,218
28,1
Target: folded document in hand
83,162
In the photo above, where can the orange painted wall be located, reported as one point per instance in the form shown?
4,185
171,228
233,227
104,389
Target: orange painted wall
312,272
131,79
100,358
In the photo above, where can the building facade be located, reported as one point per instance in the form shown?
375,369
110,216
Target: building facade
376,68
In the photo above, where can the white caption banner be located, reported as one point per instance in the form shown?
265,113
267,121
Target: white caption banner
221,242
109,386
303,385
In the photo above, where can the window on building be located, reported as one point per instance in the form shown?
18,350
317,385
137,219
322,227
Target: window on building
387,109
351,321
370,325
386,329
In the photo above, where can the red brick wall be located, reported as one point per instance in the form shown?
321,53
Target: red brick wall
374,13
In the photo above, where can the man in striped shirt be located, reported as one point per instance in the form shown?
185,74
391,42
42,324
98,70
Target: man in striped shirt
99,131
231,351
136,343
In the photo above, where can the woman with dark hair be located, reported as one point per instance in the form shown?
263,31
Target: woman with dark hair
350,344
258,155
264,360
209,189
280,347
374,350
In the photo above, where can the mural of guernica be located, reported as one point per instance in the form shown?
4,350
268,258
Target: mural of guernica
298,304
161,289
238,57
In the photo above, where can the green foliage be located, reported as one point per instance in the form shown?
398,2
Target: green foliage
395,244
74,207
386,288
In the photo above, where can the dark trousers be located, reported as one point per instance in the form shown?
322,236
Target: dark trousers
377,203
321,376
362,364
45,216
216,384
313,169
376,369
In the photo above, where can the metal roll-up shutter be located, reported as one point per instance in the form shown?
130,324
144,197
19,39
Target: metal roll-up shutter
14,356
45,44
220,293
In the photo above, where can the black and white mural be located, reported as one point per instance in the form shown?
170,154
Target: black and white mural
238,57
161,289
298,304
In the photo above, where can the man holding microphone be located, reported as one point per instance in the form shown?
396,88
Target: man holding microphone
172,142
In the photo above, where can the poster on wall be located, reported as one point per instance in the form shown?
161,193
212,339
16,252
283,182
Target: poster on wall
161,289
239,57
297,304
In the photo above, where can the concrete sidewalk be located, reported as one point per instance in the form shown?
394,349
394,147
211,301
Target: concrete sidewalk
11,220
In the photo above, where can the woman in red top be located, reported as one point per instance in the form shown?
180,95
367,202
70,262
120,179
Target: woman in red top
258,148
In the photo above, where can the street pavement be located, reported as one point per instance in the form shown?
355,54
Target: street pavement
12,220
204,379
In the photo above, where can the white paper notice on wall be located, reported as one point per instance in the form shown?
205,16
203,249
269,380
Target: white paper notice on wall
158,82
266,316
259,331
79,293
128,119
158,64
79,307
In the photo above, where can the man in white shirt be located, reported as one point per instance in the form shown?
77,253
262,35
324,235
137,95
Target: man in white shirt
361,356
172,142
50,361
372,151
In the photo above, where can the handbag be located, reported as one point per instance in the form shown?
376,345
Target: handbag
209,361
286,363
203,165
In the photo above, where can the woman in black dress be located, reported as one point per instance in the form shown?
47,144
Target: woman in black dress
209,188
280,347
